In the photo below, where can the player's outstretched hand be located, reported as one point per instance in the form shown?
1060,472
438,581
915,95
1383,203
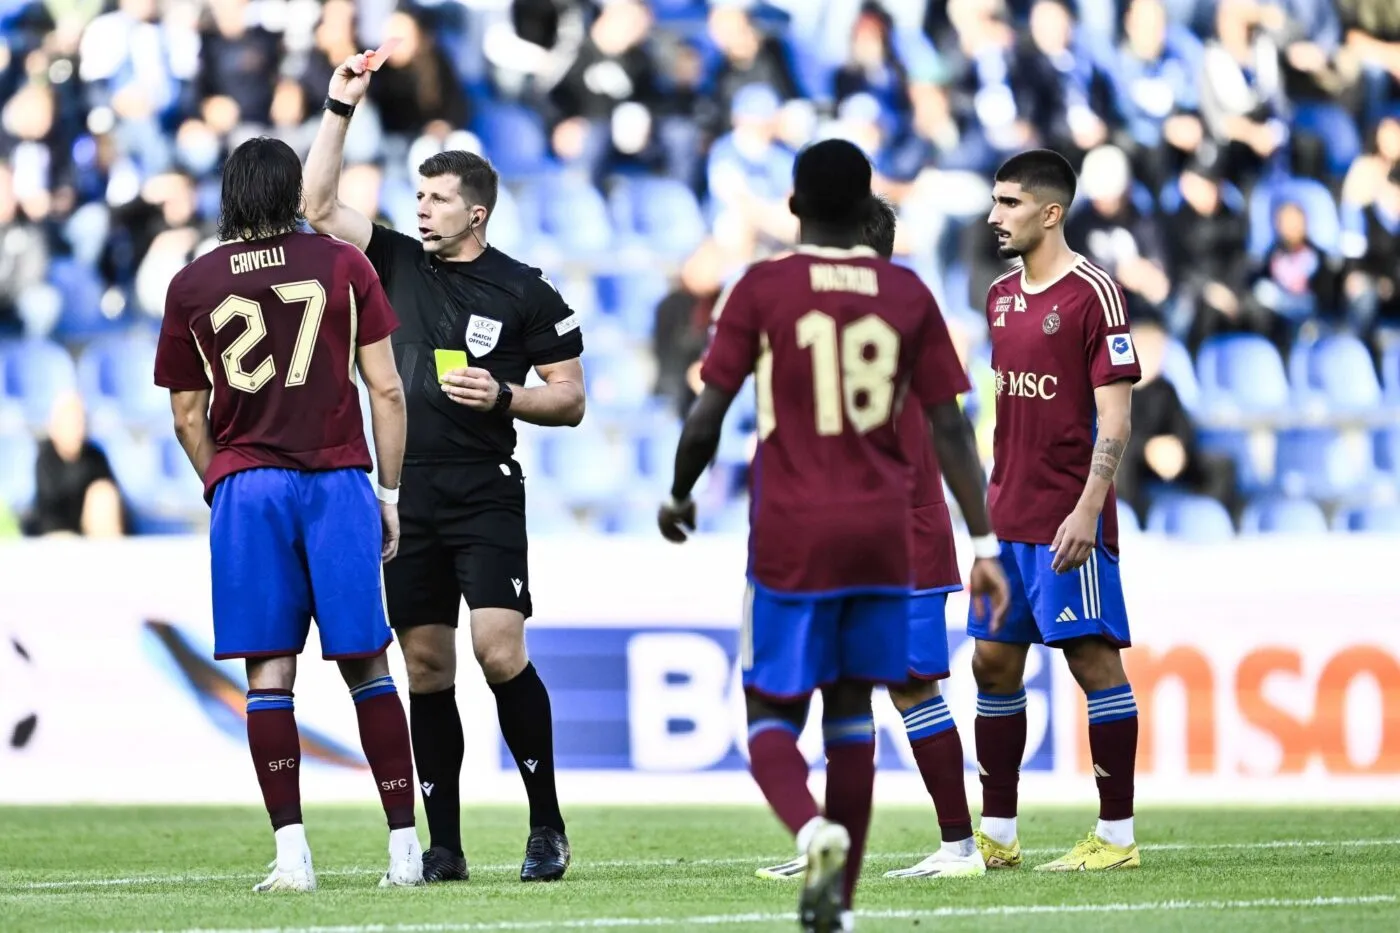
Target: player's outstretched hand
472,387
988,586
389,522
677,520
1074,541
350,81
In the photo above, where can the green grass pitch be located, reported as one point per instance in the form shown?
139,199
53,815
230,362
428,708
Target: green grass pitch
689,868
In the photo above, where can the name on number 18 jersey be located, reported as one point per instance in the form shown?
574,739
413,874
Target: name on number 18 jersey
839,342
1052,346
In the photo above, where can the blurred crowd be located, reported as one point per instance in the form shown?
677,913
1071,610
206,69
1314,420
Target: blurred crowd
1239,162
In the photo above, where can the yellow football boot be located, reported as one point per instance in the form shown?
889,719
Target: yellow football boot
1094,854
997,855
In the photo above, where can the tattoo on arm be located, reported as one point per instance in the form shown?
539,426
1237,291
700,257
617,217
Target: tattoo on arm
1107,452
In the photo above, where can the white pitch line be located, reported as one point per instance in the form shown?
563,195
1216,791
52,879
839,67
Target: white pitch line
687,863
1014,910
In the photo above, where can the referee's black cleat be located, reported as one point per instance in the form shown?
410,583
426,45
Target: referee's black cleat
442,864
546,855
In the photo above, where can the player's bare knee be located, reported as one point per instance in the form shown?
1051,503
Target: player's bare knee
997,670
272,673
498,640
1095,663
846,699
912,692
355,671
760,708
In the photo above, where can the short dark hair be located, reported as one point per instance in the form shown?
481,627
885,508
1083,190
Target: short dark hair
878,232
831,183
1043,172
261,194
476,173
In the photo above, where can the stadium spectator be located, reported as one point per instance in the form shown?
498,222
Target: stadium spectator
1071,98
749,171
23,253
75,490
1241,95
873,66
1116,235
614,68
1296,280
236,61
1372,283
1159,66
1366,175
1206,253
1372,35
416,91
749,56
1163,453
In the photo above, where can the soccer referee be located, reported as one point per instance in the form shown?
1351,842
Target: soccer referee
462,507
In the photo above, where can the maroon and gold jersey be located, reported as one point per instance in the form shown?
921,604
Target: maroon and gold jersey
272,327
838,340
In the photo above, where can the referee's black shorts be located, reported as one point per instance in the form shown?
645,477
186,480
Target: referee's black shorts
462,534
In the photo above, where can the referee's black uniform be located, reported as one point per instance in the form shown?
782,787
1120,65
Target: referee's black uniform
462,512
462,508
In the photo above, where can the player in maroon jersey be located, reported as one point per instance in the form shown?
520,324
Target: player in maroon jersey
836,338
258,347
1065,367
933,736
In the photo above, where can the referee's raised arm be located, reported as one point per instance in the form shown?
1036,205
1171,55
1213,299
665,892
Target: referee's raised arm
321,178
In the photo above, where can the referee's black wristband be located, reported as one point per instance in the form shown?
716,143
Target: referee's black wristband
338,107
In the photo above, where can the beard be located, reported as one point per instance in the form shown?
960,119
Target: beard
1008,252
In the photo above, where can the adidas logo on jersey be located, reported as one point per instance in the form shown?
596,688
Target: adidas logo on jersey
1000,321
1066,615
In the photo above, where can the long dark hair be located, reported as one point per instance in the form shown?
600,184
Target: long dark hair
261,191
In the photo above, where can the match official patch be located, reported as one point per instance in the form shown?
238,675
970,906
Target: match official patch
483,334
569,323
1120,350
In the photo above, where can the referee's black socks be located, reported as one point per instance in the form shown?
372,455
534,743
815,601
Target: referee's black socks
527,725
438,748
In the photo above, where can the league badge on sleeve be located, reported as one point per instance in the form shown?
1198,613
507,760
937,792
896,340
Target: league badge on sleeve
1120,350
483,334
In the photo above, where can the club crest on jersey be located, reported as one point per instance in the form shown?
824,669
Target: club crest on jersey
1051,323
483,333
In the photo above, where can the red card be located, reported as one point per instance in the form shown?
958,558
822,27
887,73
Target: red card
374,60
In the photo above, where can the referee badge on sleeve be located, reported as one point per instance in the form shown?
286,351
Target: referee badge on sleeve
483,334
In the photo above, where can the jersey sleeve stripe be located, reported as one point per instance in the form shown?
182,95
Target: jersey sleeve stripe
1006,275
354,328
1115,294
1112,310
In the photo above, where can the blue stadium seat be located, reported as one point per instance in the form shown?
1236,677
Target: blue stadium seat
1337,130
656,450
632,297
586,466
1127,519
180,489
80,288
1390,373
35,372
1339,370
574,213
1274,515
1323,462
617,381
1252,451
17,455
1242,372
1386,444
514,139
1374,518
1324,223
118,372
662,213
136,466
1180,371
1198,519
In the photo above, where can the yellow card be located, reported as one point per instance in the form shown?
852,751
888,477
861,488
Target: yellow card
448,360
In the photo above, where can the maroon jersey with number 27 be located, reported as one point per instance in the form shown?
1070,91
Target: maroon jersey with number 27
839,342
1052,346
272,328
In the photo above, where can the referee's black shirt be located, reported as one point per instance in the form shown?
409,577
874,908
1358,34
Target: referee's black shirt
506,315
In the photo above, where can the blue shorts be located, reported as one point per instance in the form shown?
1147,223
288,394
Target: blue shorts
792,644
287,545
928,635
1049,607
